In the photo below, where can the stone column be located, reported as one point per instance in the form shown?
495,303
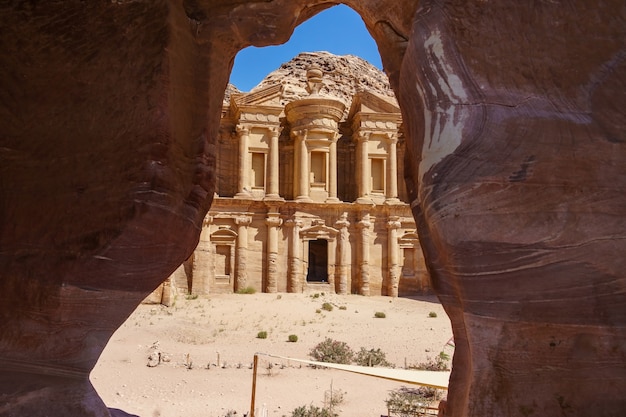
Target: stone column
364,256
392,247
301,174
242,174
364,167
273,222
343,260
203,271
272,166
392,170
332,165
294,283
241,252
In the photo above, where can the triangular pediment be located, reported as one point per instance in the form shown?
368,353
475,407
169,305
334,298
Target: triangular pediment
319,231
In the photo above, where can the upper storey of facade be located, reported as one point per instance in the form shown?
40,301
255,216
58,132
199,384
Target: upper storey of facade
274,145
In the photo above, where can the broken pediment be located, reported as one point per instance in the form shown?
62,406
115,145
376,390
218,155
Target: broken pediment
370,102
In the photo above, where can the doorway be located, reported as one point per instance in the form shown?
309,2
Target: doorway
318,261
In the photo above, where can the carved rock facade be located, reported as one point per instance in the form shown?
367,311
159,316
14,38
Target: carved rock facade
308,195
514,125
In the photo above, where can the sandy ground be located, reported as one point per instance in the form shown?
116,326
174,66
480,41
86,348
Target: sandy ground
199,331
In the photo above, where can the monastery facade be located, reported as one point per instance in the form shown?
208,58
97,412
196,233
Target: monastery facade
308,199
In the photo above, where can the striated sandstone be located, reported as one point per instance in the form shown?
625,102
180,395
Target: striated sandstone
514,114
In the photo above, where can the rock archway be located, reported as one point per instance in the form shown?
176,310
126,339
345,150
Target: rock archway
515,125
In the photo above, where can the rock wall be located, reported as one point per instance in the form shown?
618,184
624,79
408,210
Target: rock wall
514,114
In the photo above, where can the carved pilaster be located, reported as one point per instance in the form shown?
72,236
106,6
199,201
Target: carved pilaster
394,277
271,191
344,254
241,254
295,263
273,222
332,165
392,170
363,167
243,134
364,227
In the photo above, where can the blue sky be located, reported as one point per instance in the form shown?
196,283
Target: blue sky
338,30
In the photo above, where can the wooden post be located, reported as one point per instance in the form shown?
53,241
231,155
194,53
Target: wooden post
256,360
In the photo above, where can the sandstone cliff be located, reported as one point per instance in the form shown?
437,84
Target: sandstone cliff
343,76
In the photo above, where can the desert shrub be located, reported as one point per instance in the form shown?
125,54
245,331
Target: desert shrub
318,311
333,398
311,411
409,402
372,357
432,314
191,296
293,338
332,351
262,335
316,295
438,363
343,308
327,307
380,315
246,290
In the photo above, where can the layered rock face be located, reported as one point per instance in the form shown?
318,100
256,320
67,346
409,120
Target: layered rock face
515,130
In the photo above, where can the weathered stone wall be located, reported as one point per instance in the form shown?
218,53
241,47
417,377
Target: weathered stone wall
515,131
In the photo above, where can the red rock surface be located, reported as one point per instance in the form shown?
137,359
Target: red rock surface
515,125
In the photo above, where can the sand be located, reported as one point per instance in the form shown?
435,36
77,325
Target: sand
195,333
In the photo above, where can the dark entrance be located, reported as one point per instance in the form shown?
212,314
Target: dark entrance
318,261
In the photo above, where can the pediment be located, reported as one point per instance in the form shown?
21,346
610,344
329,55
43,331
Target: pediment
369,102
267,96
319,231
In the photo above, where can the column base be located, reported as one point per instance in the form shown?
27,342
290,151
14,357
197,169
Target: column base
393,201
273,197
303,199
244,195
365,200
333,200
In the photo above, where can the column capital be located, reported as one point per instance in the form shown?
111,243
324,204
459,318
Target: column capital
243,220
274,131
300,134
394,223
392,138
365,222
343,221
294,223
363,136
273,220
242,130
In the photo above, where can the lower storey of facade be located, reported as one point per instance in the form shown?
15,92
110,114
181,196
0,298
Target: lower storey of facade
284,246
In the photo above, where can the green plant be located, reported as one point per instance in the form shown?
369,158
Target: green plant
372,357
316,295
293,338
262,335
380,315
407,402
327,306
191,296
246,290
432,314
439,363
343,308
332,351
318,311
311,411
